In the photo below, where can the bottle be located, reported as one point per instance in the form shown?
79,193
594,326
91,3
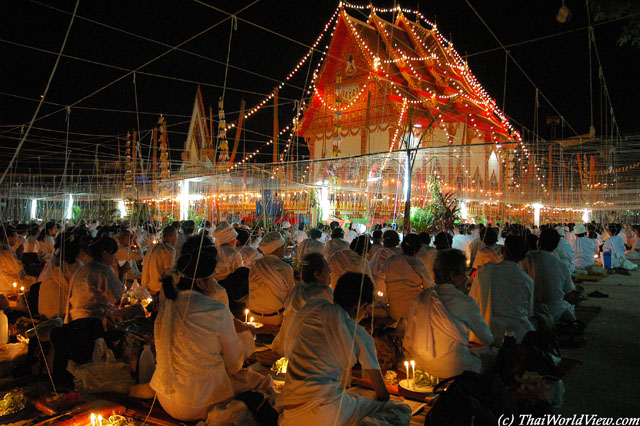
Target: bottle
4,329
147,365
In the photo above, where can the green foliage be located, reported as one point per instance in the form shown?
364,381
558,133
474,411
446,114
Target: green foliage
107,212
78,214
629,10
194,216
440,214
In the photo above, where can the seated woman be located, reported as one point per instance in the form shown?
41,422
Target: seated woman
405,277
490,251
353,259
197,346
314,284
11,269
54,290
210,286
440,319
322,346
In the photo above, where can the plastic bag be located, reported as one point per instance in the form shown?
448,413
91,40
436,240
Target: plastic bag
103,374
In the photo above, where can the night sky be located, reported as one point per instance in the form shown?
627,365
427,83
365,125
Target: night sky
271,37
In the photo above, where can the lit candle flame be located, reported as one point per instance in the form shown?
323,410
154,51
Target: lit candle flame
99,419
93,419
246,315
14,285
22,288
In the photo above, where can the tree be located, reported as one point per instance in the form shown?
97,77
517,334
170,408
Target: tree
606,10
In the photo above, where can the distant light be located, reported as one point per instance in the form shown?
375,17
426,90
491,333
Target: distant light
564,14
69,207
34,208
122,208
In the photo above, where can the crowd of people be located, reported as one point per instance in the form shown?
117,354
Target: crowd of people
452,297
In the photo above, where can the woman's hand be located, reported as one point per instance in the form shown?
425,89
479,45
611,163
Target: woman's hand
382,393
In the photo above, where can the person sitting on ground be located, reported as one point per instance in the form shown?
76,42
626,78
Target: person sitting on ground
427,254
200,348
31,244
351,234
11,269
586,250
443,241
299,236
187,227
336,243
490,252
615,245
229,259
315,284
504,292
352,260
477,243
56,282
376,242
323,344
210,287
405,277
270,281
126,258
313,244
248,253
565,251
390,241
159,260
440,319
46,241
551,279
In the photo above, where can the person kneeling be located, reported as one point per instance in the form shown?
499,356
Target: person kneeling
322,347
198,348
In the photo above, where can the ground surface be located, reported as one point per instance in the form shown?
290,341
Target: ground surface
608,382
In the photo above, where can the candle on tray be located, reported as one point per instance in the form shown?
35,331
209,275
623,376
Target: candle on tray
251,320
22,288
406,366
15,288
246,315
413,371
93,419
99,419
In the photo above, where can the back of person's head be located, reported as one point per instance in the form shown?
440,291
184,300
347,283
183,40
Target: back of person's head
549,239
448,261
377,235
242,237
425,238
301,226
489,236
6,232
175,225
337,233
443,241
34,229
198,243
312,263
514,248
352,290
101,244
315,233
190,266
67,246
411,244
361,244
531,241
169,230
390,238
124,235
49,226
334,225
188,226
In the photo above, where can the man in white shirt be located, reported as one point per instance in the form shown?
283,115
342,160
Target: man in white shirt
351,234
586,250
248,253
229,259
440,319
299,236
550,276
336,243
159,260
351,260
11,270
504,292
125,264
270,281
615,245
462,241
313,244
390,241
565,251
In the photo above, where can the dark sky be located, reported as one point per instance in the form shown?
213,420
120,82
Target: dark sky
263,52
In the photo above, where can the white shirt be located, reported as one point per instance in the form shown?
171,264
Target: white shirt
438,329
309,245
350,235
334,245
377,265
504,294
95,291
229,259
298,237
427,255
54,289
11,271
157,262
551,281
249,255
404,278
615,245
198,350
585,250
345,261
488,254
565,252
463,242
270,281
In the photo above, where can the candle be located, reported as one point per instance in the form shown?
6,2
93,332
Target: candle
93,419
99,419
22,288
406,366
15,288
413,371
251,320
246,315
380,294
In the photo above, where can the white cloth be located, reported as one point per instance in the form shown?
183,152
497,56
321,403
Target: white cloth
31,245
298,237
224,233
344,261
271,242
585,250
198,350
437,334
404,278
615,245
324,344
228,260
334,245
249,255
145,239
46,247
54,289
350,235
377,266
488,254
95,291
182,238
504,294
11,271
427,255
301,293
551,280
270,281
309,245
157,262
463,242
565,252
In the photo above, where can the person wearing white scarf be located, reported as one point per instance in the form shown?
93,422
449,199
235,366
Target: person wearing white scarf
335,244
270,281
352,260
440,319
390,241
313,244
229,259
